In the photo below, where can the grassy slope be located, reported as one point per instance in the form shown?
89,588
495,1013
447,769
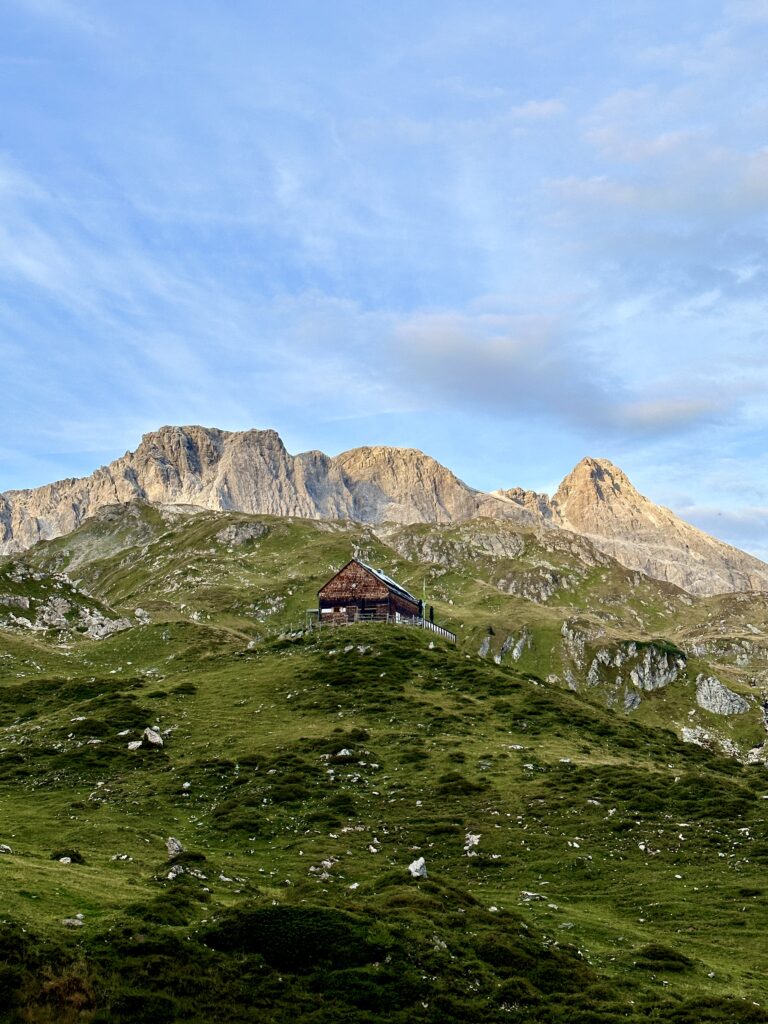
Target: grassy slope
592,810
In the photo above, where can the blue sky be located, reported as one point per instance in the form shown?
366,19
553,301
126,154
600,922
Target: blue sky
509,234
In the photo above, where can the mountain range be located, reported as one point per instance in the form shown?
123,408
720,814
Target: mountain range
251,471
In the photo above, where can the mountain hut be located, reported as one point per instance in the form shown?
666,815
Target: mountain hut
359,593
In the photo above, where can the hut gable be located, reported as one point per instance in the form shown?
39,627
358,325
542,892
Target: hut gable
360,592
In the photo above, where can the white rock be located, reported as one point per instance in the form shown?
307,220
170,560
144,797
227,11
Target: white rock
4,848
173,846
151,739
134,744
470,841
65,860
418,868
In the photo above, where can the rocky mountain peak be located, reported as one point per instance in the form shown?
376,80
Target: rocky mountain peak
591,482
251,471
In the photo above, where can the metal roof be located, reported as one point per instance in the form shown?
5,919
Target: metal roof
388,581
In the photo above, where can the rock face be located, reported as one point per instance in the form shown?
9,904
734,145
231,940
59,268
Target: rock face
597,501
252,472
249,471
712,695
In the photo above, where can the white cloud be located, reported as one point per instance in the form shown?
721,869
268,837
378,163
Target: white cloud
537,110
517,366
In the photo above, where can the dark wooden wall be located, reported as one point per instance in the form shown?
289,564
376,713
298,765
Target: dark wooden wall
352,583
360,593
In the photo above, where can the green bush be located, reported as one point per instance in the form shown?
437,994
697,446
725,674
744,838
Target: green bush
295,938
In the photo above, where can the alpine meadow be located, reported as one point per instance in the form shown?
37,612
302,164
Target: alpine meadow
216,807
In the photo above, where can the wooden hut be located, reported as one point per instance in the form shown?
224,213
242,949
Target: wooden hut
359,593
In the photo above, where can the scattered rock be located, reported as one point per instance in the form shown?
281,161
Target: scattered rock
68,856
72,922
151,739
174,847
98,626
54,612
471,840
418,868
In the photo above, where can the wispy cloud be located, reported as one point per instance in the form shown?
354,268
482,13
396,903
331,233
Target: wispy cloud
329,220
67,12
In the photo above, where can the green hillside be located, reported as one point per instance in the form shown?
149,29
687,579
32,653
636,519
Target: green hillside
584,864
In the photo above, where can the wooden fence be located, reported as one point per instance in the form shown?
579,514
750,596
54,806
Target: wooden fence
316,621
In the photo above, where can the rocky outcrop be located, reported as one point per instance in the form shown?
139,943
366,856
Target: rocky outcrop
251,471
237,534
657,669
714,696
53,602
623,670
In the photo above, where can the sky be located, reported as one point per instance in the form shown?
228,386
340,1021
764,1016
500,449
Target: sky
510,234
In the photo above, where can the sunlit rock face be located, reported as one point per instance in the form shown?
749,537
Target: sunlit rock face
251,471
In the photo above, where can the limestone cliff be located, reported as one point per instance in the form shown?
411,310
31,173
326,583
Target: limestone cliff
597,501
251,471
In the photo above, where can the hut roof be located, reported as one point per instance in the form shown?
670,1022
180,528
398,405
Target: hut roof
388,581
382,577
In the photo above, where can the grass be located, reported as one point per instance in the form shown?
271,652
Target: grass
618,874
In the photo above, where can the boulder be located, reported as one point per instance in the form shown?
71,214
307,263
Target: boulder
418,868
4,848
151,739
174,847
